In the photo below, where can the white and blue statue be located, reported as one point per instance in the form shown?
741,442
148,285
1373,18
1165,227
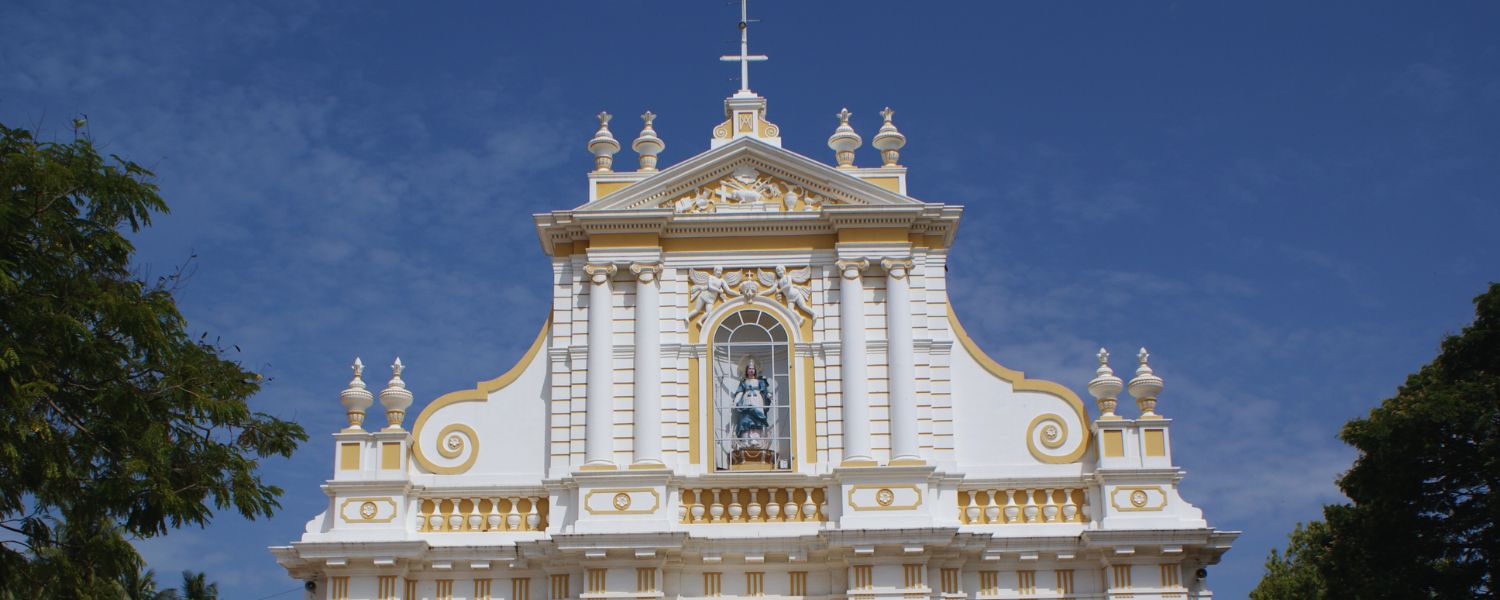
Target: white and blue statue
752,400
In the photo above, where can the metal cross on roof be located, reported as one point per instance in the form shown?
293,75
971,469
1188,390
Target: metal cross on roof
744,57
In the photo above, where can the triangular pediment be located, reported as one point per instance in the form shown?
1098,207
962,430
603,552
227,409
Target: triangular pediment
747,176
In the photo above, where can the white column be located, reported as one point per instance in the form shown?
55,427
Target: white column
598,418
853,367
647,364
901,361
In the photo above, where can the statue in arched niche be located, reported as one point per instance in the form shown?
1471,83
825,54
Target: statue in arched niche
752,403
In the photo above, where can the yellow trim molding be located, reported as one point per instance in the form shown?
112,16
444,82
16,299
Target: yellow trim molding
881,504
615,506
1139,498
481,391
1020,383
347,501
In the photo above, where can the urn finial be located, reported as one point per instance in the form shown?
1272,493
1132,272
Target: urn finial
844,141
1105,386
603,146
395,397
356,398
889,140
647,144
1145,385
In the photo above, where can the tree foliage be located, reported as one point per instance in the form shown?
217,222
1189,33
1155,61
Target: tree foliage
1424,487
1294,575
115,422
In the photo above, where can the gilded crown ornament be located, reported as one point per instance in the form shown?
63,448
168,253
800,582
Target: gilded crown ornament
1105,387
356,398
647,145
1145,385
844,141
395,397
603,146
889,140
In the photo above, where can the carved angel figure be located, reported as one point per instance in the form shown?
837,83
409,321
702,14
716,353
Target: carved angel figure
707,288
786,284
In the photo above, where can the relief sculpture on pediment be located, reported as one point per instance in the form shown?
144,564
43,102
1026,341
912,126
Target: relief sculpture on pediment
747,190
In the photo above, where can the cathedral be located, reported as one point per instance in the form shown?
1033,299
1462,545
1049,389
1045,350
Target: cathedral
752,384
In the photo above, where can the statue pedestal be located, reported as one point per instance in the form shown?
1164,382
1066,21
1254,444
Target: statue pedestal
752,459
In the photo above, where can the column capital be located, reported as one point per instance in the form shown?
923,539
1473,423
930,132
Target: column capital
600,273
646,272
851,268
897,268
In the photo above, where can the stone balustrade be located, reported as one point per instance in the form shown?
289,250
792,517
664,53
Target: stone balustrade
752,505
481,514
1020,506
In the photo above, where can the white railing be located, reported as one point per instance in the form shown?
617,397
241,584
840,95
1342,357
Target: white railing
752,505
1022,505
477,514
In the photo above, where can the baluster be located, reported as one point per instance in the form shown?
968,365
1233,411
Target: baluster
697,510
1011,511
791,509
1069,509
424,511
736,512
474,518
992,508
1031,510
773,507
716,511
533,516
809,506
513,514
494,520
971,508
1080,499
682,506
752,508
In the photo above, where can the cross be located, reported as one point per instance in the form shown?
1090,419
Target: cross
744,57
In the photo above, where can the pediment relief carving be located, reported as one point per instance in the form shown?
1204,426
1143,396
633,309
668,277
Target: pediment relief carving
748,190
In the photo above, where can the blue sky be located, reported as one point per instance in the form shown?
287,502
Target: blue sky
1289,203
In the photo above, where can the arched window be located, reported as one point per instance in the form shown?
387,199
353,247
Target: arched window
752,398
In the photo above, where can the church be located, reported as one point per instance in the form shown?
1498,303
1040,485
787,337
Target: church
752,384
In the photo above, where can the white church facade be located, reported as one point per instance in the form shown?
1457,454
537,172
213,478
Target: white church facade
752,384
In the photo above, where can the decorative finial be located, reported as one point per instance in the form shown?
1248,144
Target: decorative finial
647,144
844,141
1145,385
395,397
889,140
603,146
1105,387
356,398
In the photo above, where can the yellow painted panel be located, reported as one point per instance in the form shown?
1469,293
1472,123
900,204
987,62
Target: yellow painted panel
1114,443
890,183
1156,442
624,240
873,234
605,188
349,456
748,242
390,455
